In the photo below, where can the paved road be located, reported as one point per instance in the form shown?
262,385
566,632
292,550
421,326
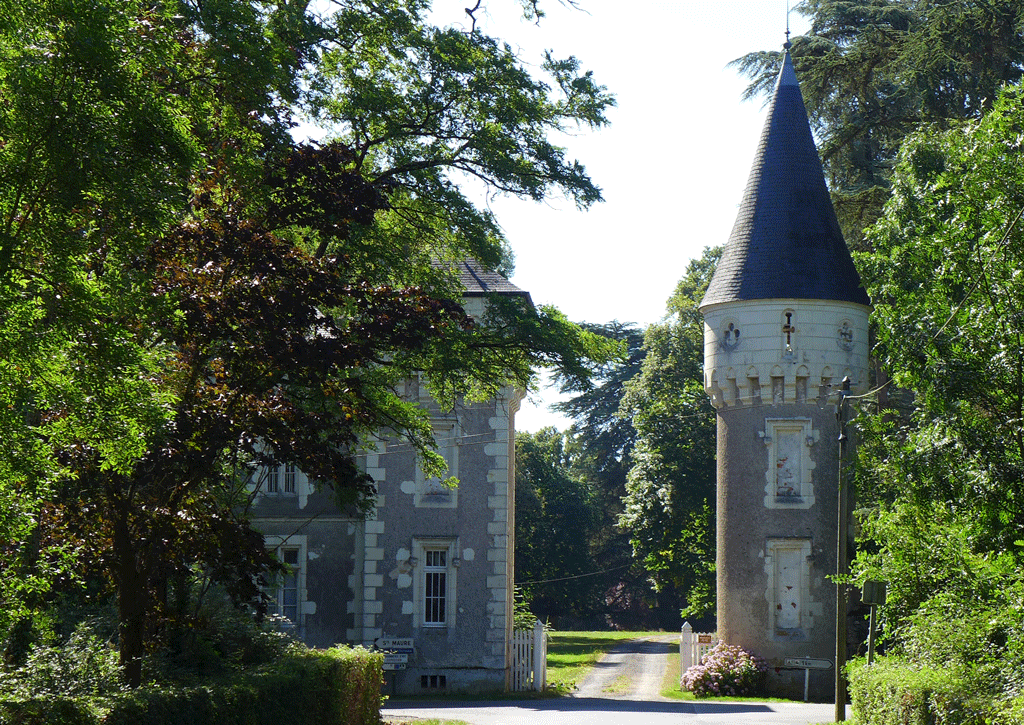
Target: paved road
622,689
608,711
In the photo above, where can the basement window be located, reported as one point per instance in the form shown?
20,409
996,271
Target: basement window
433,682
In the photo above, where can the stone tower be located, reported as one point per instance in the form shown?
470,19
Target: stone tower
785,320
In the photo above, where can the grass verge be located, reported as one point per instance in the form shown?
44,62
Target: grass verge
670,685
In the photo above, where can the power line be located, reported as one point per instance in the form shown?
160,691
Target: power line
578,576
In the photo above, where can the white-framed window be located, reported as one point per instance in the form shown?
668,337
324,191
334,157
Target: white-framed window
283,479
789,475
435,582
284,597
287,591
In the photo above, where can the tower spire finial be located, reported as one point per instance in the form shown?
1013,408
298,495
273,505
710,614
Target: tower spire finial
787,45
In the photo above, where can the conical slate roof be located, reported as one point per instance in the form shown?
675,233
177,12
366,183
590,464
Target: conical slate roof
786,241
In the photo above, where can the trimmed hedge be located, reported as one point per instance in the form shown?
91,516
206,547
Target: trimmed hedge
339,686
895,692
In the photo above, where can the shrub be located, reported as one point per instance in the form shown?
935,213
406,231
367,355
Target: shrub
727,670
1010,712
339,686
213,640
48,711
83,665
896,692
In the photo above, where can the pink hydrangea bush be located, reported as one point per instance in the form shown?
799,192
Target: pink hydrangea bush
727,671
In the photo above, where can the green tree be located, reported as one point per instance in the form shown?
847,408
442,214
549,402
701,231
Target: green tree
165,246
556,515
669,504
942,491
872,71
601,440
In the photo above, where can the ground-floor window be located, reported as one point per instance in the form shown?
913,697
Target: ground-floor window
435,582
285,596
435,578
433,682
286,590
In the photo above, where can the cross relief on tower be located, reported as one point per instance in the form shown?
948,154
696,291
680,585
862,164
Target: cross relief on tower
789,351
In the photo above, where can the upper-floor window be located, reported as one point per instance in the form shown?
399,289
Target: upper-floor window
281,479
790,481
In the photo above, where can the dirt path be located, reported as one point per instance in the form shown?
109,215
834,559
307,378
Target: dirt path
633,670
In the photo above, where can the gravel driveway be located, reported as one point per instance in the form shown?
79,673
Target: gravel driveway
632,670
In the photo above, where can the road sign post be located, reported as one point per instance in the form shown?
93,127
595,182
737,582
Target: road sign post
807,664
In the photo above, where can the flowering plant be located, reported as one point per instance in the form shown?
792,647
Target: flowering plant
727,670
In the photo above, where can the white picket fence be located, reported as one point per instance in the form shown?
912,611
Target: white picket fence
529,659
694,647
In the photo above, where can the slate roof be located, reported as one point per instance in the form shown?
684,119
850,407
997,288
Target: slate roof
786,241
479,282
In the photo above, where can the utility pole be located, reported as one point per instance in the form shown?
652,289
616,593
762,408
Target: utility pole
841,533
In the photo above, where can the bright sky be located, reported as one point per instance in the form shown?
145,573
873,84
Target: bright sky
672,164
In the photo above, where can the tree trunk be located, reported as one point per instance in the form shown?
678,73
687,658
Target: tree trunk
131,604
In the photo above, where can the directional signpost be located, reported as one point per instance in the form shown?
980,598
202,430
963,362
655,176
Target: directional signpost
394,661
396,651
807,664
404,645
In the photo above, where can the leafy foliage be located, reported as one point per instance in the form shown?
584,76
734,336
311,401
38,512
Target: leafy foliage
941,487
84,665
553,567
894,691
598,450
522,615
947,299
601,441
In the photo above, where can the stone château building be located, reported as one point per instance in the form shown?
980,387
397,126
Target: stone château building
431,569
786,320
